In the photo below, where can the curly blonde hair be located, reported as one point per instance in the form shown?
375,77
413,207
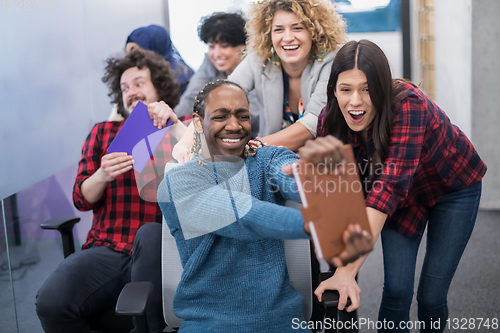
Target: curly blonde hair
327,27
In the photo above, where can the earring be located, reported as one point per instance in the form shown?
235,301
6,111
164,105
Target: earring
195,149
320,57
276,60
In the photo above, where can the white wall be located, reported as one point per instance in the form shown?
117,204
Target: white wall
467,71
391,43
415,65
453,60
485,116
51,65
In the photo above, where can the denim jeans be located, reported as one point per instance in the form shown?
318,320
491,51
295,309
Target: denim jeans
450,224
89,282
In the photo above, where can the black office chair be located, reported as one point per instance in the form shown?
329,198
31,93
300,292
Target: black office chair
298,259
132,301
133,298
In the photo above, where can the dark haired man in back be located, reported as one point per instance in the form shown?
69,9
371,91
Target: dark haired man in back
225,35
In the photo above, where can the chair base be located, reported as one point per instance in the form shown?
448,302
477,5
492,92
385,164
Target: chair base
109,322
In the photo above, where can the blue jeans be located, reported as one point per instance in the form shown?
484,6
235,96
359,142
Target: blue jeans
450,224
89,282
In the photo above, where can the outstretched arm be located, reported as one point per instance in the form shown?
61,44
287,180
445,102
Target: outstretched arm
222,203
326,152
344,278
292,137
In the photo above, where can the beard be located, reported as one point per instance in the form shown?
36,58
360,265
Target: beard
135,99
128,106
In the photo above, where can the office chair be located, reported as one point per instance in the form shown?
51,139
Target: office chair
133,298
298,260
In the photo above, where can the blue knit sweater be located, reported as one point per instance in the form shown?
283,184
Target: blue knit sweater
231,243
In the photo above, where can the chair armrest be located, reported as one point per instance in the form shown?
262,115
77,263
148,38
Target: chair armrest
132,301
134,298
330,298
65,226
60,223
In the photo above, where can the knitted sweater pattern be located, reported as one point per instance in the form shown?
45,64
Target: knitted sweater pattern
235,277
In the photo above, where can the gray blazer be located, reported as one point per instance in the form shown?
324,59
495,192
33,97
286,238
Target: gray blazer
267,80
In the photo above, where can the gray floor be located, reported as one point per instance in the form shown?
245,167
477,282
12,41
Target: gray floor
474,293
475,289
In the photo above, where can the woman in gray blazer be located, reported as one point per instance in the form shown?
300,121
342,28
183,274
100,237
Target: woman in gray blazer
292,45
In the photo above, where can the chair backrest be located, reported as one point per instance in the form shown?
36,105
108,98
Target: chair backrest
171,272
298,260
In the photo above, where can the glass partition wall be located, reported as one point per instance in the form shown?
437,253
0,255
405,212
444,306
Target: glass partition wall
7,295
28,253
53,60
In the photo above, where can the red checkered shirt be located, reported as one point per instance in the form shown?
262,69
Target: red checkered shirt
122,210
428,157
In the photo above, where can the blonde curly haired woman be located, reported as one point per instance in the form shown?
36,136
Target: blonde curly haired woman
290,49
291,46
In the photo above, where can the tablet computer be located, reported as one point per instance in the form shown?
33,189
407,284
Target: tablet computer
139,136
330,202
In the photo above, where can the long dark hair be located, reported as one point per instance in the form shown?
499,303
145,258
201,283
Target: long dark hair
371,60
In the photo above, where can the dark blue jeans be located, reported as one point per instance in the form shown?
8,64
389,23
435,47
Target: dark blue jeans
89,282
450,224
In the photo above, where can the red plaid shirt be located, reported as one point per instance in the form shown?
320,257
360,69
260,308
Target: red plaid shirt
121,210
428,157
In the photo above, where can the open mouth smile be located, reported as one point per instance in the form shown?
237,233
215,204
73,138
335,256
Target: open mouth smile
232,143
133,101
290,48
220,62
356,116
226,140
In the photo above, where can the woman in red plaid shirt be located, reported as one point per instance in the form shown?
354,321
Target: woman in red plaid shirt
419,169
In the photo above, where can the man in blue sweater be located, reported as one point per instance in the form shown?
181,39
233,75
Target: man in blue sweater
225,209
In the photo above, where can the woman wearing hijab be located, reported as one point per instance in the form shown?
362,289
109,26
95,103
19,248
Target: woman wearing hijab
157,39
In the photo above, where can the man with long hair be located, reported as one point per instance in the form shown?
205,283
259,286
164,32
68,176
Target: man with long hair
120,245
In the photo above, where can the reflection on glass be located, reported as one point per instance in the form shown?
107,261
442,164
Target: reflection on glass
7,300
33,253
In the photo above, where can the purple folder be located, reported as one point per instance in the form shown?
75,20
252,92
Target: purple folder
138,137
